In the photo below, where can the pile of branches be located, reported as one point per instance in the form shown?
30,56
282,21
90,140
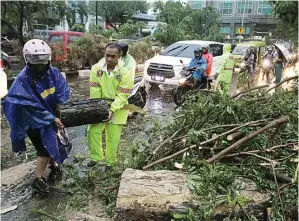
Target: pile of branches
84,52
257,132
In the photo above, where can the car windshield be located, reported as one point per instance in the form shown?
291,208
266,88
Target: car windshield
181,50
239,50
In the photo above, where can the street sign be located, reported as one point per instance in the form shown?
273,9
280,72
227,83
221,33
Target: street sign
241,30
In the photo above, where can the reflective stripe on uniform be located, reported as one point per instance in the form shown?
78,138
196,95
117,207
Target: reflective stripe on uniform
94,84
47,92
124,90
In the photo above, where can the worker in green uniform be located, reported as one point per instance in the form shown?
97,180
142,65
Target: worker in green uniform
130,62
225,70
109,79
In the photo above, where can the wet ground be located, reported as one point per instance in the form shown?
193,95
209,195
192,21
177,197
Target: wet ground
160,108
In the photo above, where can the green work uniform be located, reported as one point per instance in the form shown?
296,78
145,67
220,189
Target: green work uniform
115,86
225,70
130,63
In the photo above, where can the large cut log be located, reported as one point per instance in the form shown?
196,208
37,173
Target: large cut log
151,195
84,112
77,113
156,195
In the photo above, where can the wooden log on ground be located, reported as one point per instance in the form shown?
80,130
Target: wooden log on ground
83,112
156,195
151,195
234,136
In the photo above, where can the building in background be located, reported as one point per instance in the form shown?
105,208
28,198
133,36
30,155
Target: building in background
257,16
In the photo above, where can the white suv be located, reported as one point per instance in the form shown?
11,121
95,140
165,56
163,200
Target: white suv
166,67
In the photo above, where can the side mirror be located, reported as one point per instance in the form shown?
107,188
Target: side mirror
181,62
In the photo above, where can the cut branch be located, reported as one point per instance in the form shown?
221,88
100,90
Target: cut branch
202,143
235,135
166,141
274,123
251,89
283,81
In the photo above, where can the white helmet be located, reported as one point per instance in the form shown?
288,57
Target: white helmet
205,46
37,51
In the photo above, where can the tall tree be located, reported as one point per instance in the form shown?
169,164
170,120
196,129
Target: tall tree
186,23
287,13
16,13
118,11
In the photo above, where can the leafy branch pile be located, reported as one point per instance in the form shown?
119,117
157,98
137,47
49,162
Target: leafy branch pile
253,137
85,51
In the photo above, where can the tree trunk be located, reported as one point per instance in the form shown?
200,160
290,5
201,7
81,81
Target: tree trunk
156,195
21,14
79,113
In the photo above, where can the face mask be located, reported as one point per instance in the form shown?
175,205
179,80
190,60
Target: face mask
38,69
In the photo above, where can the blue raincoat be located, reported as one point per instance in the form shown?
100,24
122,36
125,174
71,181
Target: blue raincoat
32,104
198,63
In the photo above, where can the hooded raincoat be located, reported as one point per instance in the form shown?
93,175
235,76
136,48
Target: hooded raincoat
32,104
225,70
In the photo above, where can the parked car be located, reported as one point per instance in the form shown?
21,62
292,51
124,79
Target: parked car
166,67
65,37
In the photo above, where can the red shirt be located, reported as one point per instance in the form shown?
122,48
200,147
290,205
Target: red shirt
209,58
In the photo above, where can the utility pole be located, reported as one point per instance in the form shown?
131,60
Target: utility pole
243,19
97,14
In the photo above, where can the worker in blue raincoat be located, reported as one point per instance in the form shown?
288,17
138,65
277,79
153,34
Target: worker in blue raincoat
30,110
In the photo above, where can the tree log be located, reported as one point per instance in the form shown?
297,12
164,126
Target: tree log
156,195
234,135
84,112
274,123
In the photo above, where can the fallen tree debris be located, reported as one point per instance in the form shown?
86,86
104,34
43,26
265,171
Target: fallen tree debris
255,134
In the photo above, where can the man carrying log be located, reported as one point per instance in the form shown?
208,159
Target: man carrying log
30,110
109,79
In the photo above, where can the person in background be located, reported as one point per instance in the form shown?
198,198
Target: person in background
109,79
278,64
249,61
129,61
209,59
200,64
30,107
225,70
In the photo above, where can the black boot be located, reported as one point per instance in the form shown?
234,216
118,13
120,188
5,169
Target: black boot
55,174
40,185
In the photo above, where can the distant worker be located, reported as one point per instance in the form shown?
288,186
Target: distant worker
129,61
225,70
